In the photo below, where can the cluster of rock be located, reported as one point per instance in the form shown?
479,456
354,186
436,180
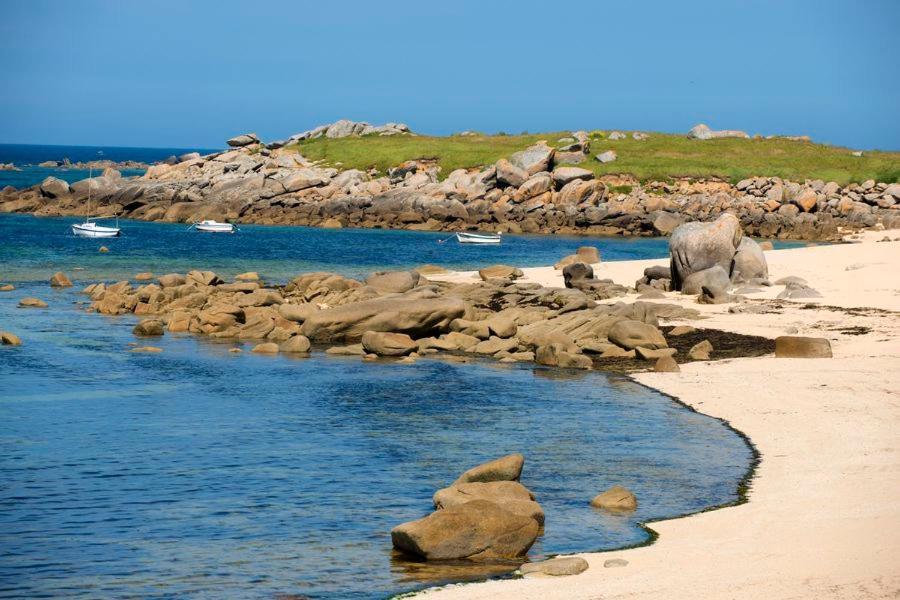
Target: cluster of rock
535,190
485,514
403,315
346,128
94,164
9,167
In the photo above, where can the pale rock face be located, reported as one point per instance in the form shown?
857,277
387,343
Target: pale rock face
703,132
533,159
607,157
245,139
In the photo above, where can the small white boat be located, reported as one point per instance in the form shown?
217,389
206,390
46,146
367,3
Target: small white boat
479,238
211,226
92,230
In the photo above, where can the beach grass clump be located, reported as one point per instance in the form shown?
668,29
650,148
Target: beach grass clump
658,158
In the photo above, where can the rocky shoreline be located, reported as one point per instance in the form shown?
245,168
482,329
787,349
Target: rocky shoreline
536,190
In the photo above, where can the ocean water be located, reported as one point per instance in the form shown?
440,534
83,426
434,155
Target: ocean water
28,156
200,473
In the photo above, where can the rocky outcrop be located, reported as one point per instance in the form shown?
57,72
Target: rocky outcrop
696,247
245,139
346,128
418,316
531,191
703,132
388,344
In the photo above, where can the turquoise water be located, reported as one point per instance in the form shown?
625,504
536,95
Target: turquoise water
199,473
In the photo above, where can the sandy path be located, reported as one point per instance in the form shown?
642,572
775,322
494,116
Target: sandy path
823,517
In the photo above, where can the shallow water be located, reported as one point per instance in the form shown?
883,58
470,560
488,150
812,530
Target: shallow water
31,248
201,473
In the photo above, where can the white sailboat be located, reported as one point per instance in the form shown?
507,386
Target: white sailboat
210,226
89,228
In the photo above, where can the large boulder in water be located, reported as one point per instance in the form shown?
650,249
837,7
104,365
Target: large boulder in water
417,316
388,344
506,468
508,495
476,530
698,246
749,262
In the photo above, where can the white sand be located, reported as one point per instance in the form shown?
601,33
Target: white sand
823,516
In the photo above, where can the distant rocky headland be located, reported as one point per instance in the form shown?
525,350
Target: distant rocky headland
541,188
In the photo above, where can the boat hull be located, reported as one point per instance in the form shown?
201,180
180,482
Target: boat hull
474,238
217,228
95,231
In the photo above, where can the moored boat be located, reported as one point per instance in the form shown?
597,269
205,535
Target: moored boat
479,238
90,229
210,226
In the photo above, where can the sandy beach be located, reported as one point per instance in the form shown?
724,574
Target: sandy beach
822,517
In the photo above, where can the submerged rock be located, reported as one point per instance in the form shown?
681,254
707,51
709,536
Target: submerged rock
32,303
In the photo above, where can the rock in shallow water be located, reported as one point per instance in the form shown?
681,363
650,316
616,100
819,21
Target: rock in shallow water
506,468
149,327
508,495
9,339
477,530
32,303
59,279
616,498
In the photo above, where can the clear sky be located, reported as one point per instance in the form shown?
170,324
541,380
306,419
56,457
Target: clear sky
192,73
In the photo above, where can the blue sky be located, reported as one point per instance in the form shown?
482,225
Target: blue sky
185,74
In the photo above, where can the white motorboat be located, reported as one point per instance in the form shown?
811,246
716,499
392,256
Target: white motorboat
211,226
90,229
479,238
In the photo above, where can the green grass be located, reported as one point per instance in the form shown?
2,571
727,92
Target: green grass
661,157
